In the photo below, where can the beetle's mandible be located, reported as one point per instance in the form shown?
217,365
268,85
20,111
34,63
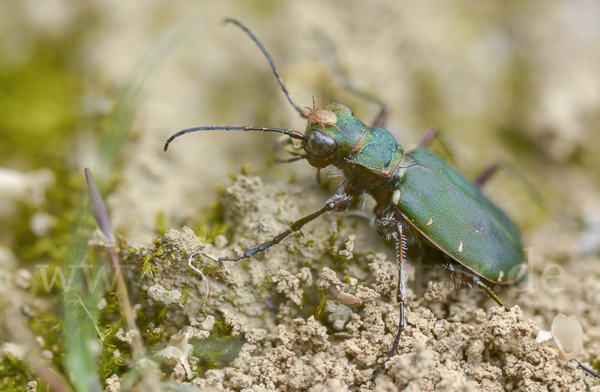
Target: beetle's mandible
418,196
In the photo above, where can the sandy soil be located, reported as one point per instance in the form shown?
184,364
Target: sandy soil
507,80
454,339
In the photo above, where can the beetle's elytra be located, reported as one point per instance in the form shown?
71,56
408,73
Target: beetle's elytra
418,195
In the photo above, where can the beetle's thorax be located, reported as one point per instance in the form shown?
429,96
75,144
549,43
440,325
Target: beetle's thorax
373,161
367,156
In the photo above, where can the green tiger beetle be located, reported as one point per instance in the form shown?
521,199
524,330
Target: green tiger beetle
418,196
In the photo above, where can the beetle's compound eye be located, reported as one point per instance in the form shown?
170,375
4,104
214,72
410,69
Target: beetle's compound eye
339,108
319,144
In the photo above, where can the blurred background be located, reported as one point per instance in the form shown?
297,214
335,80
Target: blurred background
513,80
103,84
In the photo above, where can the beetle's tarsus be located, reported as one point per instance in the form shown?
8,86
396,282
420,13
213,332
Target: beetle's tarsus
587,369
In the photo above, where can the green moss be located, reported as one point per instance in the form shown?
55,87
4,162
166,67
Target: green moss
112,307
245,169
160,223
61,202
155,336
41,112
50,327
110,320
159,252
14,375
40,101
220,346
320,309
185,295
122,243
147,267
111,363
333,237
161,316
212,223
208,269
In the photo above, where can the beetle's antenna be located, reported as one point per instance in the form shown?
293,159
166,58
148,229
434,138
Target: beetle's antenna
292,134
271,63
329,54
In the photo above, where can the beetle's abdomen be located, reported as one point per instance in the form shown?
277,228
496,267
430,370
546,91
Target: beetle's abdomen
455,216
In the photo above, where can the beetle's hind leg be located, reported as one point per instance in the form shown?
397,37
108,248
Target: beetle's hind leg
401,292
329,55
486,174
541,200
459,276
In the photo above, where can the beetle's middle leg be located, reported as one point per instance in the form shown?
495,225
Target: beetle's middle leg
329,55
337,203
401,292
460,276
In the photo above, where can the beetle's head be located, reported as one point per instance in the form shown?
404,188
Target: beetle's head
331,134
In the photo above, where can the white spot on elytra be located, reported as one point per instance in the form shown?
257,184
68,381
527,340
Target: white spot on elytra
429,222
460,246
396,197
500,276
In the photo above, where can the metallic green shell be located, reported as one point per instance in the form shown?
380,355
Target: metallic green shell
458,218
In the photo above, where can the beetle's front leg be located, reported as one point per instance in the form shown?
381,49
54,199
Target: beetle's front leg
433,133
383,114
337,203
401,292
